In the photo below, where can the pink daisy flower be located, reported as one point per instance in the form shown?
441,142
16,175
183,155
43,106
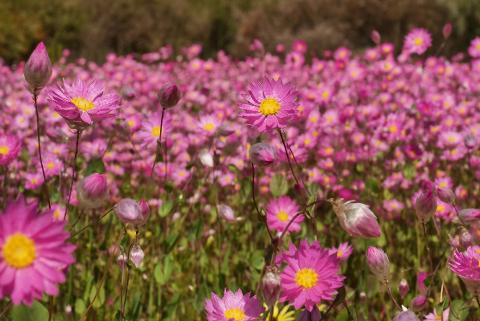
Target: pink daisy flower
152,129
343,251
82,103
279,213
34,253
234,306
269,104
434,316
474,49
417,41
467,266
208,125
9,149
311,275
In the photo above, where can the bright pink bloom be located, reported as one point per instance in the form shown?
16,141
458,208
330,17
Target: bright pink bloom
152,129
9,149
280,212
417,41
343,251
467,266
234,306
474,49
269,104
434,316
82,104
34,253
311,276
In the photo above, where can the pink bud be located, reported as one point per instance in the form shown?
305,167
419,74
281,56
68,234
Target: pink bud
226,212
446,195
271,286
169,95
129,212
426,202
137,255
470,141
262,154
92,191
419,302
403,288
376,38
356,219
469,215
406,316
378,263
145,209
38,69
447,30
313,315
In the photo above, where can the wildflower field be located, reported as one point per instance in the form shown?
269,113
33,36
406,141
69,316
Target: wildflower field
277,187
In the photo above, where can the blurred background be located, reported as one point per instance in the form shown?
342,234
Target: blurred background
92,28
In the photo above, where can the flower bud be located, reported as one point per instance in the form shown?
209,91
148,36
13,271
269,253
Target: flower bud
226,212
403,288
129,212
356,219
313,315
447,30
376,38
446,195
38,69
169,95
406,316
136,255
419,302
469,215
470,141
206,158
145,209
262,154
378,263
271,286
92,191
426,201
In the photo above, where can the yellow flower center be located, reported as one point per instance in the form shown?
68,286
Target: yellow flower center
56,214
339,253
19,251
50,165
418,41
82,103
4,150
209,127
282,216
269,106
306,278
393,129
234,314
156,131
130,123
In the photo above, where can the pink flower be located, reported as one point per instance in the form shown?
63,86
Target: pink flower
92,191
467,266
152,129
426,201
269,104
38,69
356,219
280,212
311,275
437,317
234,306
417,41
34,253
9,149
343,251
378,263
474,49
82,104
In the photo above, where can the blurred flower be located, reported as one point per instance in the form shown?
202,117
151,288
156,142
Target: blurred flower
474,49
262,154
356,219
38,69
280,212
34,253
271,286
233,306
284,314
9,149
403,288
343,252
130,212
438,317
226,212
313,315
426,202
466,265
137,255
417,41
406,315
419,302
92,191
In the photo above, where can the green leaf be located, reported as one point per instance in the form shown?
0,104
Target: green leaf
100,299
409,171
278,185
37,312
166,208
342,316
158,273
79,306
95,166
458,311
257,260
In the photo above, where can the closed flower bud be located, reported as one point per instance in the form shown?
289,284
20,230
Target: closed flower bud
226,212
426,201
169,96
376,37
356,219
447,30
137,255
419,302
206,158
271,286
470,141
378,263
262,154
92,191
469,215
38,69
129,212
446,195
406,316
145,209
403,288
313,315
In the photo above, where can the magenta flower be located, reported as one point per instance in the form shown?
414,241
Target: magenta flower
92,191
417,41
311,275
434,316
280,212
34,253
152,129
38,69
269,104
9,149
474,49
82,104
467,266
234,306
343,251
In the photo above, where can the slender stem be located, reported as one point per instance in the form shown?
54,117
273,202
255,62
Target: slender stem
390,294
92,224
74,174
50,309
39,147
478,301
288,157
159,143
260,216
124,303
429,253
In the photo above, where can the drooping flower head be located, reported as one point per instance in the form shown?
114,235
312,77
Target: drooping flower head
280,212
269,104
467,266
311,276
83,103
34,253
234,306
417,41
356,219
9,149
